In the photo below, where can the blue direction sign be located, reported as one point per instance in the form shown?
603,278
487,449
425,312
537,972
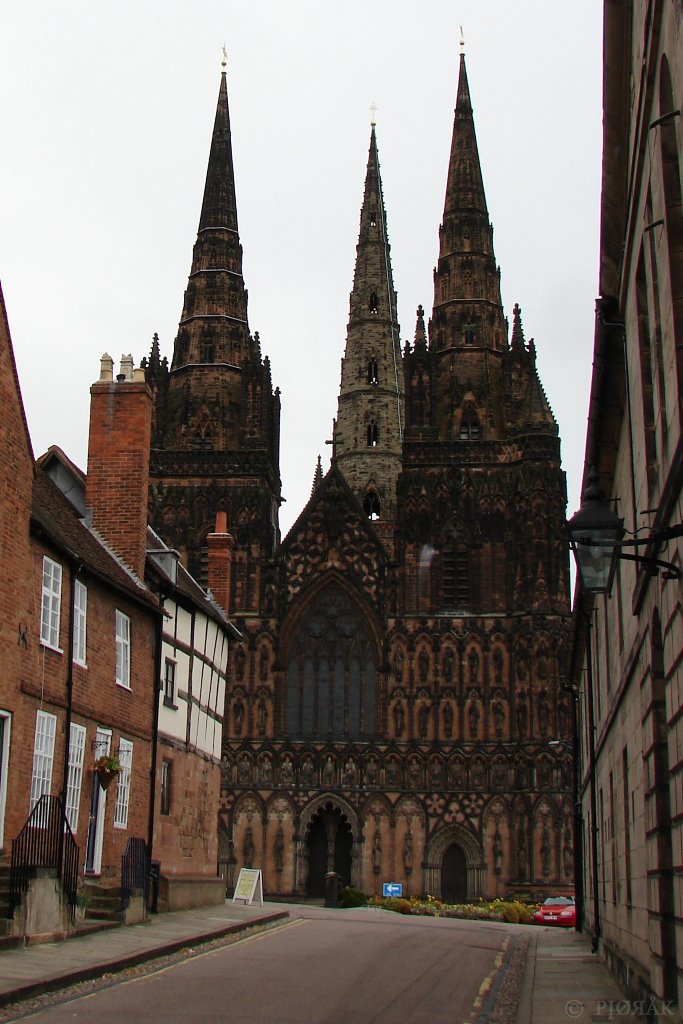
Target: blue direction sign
392,889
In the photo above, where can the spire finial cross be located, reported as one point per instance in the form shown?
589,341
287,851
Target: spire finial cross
462,40
224,62
373,114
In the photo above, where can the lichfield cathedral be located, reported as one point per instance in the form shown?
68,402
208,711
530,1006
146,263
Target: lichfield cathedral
397,709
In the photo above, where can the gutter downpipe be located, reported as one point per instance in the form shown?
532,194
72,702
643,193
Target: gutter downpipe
595,942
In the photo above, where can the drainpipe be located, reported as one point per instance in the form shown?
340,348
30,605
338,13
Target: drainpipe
155,731
595,943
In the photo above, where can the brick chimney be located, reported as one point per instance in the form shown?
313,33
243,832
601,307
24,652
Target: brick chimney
220,545
118,460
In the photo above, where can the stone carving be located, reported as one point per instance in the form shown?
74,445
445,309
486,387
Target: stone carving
248,849
423,721
408,852
279,848
498,664
473,660
497,852
328,772
474,720
377,853
287,772
448,720
238,716
399,717
448,665
423,665
262,717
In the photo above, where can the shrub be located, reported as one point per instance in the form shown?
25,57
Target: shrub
350,897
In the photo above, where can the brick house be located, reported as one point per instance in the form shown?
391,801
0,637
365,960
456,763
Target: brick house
82,611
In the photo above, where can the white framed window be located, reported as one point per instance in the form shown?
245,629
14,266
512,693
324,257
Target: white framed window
123,784
122,649
74,777
51,603
80,621
43,753
169,683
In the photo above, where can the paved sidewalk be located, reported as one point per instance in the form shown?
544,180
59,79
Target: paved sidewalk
32,970
565,982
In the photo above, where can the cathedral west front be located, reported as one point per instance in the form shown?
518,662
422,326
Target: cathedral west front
397,709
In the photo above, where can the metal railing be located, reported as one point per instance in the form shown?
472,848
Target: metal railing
134,870
45,841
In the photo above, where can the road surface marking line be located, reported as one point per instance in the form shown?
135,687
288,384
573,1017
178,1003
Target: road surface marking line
487,982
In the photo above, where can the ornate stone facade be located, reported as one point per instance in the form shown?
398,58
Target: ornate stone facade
396,710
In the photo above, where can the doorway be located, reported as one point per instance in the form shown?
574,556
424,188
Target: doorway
329,846
454,875
98,807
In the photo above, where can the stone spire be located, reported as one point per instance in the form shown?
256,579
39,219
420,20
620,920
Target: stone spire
467,306
317,476
216,417
468,331
213,325
368,430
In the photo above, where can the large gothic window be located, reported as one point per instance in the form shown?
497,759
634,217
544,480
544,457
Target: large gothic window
331,674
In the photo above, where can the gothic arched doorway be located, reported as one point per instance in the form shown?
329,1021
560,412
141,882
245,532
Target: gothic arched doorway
328,848
454,875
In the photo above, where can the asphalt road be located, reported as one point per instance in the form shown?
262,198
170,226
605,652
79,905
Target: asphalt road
322,967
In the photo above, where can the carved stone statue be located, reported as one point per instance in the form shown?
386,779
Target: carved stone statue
371,772
350,773
240,658
497,852
393,773
238,716
244,769
287,772
448,665
423,665
521,853
266,769
398,664
377,853
473,659
262,718
498,664
423,721
248,847
545,852
448,720
328,772
408,852
474,719
263,664
399,717
279,848
498,719
307,771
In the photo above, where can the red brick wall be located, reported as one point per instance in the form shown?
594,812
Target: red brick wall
118,466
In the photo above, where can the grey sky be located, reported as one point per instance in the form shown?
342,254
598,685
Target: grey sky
106,121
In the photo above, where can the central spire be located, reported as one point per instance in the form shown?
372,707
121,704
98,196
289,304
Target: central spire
467,306
369,425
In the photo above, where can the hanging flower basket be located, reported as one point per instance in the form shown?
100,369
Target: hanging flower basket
107,768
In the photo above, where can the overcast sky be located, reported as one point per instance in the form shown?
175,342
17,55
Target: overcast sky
106,121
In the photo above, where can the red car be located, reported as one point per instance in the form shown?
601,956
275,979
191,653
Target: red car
557,910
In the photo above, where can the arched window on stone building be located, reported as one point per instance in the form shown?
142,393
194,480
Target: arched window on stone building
371,505
372,434
372,371
331,671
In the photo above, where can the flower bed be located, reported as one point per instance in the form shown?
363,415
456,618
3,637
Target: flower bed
512,911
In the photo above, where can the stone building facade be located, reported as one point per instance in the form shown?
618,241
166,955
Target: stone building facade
627,663
397,710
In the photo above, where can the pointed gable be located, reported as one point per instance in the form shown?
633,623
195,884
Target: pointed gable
333,534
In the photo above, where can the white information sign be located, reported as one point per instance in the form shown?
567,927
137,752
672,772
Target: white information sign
249,886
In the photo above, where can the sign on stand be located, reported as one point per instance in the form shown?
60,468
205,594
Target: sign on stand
249,886
392,889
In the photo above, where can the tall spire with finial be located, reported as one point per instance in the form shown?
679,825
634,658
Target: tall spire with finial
467,319
369,426
216,414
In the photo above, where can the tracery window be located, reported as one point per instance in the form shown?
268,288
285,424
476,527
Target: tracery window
331,674
371,505
372,434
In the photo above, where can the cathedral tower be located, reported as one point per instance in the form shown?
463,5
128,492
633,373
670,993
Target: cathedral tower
216,425
368,431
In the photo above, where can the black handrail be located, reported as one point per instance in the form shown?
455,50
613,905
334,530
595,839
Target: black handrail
45,841
134,870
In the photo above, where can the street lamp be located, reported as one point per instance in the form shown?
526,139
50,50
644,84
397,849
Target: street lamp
596,538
